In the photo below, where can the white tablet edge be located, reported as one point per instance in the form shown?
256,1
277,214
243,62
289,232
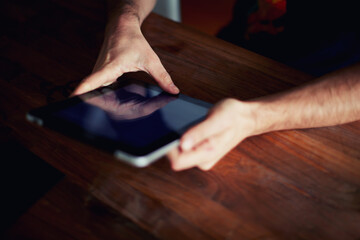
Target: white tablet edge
143,161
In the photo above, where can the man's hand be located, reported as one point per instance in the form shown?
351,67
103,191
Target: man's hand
227,124
330,100
125,49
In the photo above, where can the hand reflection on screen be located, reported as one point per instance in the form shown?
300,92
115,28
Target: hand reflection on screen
130,102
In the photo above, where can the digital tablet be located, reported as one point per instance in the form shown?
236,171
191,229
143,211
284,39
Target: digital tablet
135,121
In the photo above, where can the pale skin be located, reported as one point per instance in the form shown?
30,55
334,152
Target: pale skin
125,49
327,101
330,100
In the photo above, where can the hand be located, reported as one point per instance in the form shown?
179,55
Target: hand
226,125
125,49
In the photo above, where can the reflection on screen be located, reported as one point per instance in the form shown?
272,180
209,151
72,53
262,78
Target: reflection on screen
133,115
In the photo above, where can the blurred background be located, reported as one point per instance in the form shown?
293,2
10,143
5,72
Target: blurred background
208,16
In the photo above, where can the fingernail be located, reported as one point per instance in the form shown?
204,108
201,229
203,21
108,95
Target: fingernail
107,84
174,88
186,145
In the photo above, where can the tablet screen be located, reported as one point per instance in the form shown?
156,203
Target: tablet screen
134,114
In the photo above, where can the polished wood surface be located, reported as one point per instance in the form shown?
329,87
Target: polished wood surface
69,212
299,184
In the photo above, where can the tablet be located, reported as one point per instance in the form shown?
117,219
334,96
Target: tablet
135,121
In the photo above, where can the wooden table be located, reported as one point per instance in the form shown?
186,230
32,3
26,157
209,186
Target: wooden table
300,184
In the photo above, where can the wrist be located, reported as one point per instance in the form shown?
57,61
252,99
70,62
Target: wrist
123,23
245,117
261,117
269,115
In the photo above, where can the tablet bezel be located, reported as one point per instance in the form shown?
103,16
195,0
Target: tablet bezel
137,156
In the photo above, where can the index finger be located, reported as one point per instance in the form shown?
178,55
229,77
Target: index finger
102,77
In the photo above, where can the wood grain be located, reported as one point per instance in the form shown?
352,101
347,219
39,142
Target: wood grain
300,184
68,211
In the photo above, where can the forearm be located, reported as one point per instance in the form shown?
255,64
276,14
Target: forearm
331,100
124,11
123,27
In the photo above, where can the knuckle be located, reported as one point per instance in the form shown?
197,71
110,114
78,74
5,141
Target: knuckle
210,143
152,60
153,57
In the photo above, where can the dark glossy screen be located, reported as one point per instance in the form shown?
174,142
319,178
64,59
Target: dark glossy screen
134,115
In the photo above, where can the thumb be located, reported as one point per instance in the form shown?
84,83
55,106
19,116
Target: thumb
99,78
212,125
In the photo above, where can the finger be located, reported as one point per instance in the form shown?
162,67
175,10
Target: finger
207,166
206,154
102,77
173,154
212,125
203,153
159,73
